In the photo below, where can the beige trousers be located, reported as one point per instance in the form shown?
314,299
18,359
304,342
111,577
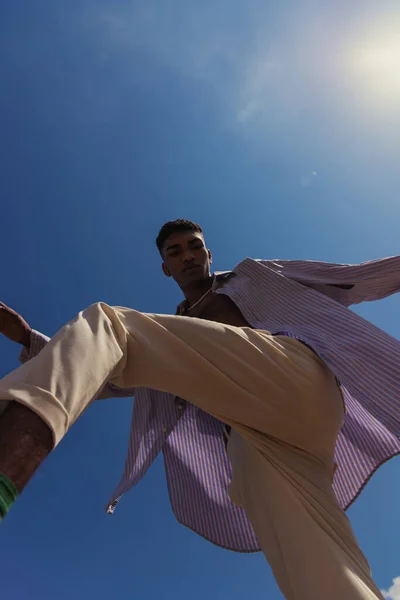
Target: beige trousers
281,400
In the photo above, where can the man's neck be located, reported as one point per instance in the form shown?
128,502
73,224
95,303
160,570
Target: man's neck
195,290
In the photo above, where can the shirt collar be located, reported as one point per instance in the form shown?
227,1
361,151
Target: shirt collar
219,277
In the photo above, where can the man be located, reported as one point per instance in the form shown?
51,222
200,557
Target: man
259,362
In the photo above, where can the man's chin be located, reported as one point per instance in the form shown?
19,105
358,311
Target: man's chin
193,275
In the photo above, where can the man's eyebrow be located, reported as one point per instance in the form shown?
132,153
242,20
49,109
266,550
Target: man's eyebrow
173,247
177,246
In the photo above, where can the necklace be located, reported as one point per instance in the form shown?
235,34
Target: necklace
199,300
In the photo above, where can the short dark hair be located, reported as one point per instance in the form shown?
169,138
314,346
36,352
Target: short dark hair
173,227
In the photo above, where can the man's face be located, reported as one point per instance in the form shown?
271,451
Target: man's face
186,258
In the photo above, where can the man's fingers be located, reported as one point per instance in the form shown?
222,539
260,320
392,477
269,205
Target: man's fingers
6,308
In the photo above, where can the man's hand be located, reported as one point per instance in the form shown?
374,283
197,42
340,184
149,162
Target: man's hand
13,326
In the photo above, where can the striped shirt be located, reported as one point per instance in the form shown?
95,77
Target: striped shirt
304,299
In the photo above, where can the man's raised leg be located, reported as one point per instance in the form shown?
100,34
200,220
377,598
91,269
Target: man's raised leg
241,376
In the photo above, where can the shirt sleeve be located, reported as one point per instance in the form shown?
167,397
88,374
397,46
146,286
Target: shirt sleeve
38,341
347,284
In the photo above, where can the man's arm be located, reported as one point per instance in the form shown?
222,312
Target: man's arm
347,284
15,328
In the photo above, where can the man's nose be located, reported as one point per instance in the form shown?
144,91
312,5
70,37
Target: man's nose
188,256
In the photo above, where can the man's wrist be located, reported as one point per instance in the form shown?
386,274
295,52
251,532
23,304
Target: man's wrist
26,338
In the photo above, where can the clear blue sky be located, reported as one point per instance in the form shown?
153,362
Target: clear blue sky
278,129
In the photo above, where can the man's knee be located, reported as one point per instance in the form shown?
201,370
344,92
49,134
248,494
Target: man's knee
103,318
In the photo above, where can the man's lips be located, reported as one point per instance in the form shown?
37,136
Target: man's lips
192,267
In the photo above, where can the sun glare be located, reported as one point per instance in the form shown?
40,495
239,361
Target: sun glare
373,63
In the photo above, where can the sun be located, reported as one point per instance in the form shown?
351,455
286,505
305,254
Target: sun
381,62
372,62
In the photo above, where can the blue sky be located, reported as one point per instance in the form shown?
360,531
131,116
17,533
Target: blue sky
278,130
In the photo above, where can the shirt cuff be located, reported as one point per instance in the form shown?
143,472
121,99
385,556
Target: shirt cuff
37,342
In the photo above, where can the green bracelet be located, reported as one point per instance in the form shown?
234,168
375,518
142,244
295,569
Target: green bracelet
8,495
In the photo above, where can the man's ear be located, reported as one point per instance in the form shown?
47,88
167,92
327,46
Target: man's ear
165,270
209,256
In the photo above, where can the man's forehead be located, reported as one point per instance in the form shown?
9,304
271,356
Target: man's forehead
180,237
